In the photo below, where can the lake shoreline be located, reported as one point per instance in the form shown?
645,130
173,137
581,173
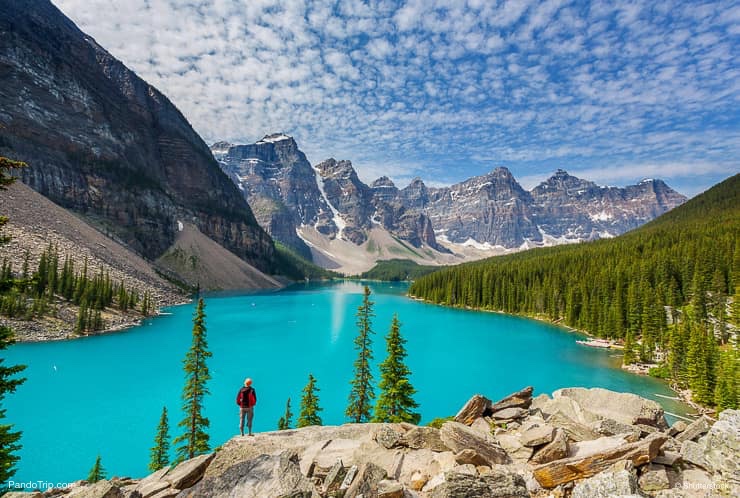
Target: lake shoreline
684,395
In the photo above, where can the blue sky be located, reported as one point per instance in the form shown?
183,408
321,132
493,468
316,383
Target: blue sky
610,91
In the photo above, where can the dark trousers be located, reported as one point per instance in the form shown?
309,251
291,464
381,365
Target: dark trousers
249,414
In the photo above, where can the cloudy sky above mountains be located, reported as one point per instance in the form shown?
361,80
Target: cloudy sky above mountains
611,91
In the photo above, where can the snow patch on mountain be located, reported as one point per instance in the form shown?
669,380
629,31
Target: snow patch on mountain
336,217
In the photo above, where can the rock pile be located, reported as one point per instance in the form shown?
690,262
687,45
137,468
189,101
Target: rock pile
579,442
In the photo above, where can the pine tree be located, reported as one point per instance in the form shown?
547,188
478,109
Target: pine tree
97,472
362,393
287,419
309,414
8,384
160,452
195,439
395,403
726,387
629,349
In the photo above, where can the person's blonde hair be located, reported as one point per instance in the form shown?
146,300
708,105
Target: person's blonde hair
247,381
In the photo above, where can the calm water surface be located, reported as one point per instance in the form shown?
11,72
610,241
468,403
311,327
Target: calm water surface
103,395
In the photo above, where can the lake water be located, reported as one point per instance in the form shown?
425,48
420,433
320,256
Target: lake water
103,395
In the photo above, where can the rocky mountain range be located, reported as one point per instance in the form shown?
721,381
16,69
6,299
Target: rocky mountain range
310,208
105,144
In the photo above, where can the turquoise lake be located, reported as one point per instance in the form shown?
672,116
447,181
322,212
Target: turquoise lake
103,395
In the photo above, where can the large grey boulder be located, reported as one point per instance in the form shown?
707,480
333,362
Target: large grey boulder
626,408
722,447
366,482
519,399
538,435
498,483
607,484
555,450
187,473
265,475
694,454
101,489
423,437
459,437
575,431
654,478
570,469
695,429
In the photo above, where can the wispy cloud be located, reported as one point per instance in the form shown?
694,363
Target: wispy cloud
444,89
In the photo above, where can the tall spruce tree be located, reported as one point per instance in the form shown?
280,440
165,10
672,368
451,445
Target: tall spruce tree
8,374
726,386
396,402
362,393
160,452
309,414
97,472
286,420
195,441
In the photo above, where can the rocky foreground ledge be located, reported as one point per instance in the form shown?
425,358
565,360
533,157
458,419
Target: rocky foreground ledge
582,443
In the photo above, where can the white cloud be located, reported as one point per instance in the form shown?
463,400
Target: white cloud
442,89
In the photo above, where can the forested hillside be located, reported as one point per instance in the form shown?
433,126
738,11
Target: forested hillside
669,290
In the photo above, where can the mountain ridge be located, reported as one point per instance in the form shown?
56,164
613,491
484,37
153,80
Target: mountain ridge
483,215
102,142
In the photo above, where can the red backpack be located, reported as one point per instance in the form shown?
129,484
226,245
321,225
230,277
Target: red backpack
246,397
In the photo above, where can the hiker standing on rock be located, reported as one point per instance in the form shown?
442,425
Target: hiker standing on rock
246,399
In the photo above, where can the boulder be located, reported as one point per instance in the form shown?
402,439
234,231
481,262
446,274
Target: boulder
387,436
519,399
475,408
149,489
458,437
153,483
677,428
349,477
695,429
423,437
467,468
693,453
390,489
334,478
569,469
609,427
498,483
586,448
468,456
722,446
668,458
555,450
427,462
101,489
608,484
568,408
418,480
538,435
23,494
265,475
654,477
482,425
187,473
574,430
509,414
626,408
167,493
513,446
366,481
